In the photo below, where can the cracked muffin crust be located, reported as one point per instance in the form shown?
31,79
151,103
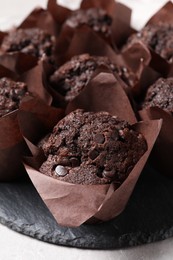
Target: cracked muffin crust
160,94
71,78
95,18
91,148
11,94
33,41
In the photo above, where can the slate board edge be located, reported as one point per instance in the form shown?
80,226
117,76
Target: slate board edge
138,240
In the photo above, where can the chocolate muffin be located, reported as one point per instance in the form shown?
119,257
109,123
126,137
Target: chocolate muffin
91,148
33,41
11,93
95,18
160,94
158,37
71,78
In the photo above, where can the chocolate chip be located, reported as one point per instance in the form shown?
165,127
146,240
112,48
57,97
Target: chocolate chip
99,138
64,161
61,171
109,174
93,154
114,135
99,172
74,162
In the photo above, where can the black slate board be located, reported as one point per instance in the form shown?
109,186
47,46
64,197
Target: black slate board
148,216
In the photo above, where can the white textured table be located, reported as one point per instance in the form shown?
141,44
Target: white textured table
14,246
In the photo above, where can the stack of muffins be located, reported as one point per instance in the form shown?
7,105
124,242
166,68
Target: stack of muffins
75,88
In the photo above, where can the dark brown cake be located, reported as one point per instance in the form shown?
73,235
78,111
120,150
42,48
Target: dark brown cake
95,18
11,93
71,77
160,94
92,148
33,41
158,37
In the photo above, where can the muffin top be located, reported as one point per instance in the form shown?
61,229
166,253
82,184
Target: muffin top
71,78
91,148
158,37
33,41
160,94
11,93
95,18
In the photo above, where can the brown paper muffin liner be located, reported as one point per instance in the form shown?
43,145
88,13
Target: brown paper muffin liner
40,18
136,58
37,118
159,67
120,28
157,64
104,92
80,44
33,78
163,15
58,12
70,204
5,72
74,204
153,67
36,80
19,62
121,17
161,156
12,147
12,143
38,77
71,43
